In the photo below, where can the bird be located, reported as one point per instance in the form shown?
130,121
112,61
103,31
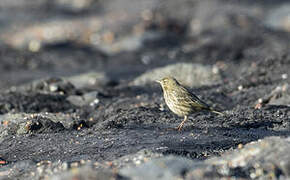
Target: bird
181,101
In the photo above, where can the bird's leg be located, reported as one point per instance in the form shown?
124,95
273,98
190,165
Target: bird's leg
179,127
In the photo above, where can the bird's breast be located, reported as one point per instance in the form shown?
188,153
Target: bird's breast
177,106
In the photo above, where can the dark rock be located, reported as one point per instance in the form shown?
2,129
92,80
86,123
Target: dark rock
49,85
31,102
16,124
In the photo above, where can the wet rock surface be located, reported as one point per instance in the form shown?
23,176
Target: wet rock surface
78,98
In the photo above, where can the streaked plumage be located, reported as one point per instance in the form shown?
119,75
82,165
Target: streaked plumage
180,100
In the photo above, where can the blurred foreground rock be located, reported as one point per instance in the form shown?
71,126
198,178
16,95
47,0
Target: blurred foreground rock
264,159
170,167
87,173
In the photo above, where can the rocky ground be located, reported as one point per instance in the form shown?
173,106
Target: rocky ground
78,98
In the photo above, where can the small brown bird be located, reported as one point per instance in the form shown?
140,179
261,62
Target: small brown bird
181,101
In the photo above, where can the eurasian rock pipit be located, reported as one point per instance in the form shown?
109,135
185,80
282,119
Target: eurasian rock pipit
181,101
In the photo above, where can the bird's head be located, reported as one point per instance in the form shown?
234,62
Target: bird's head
168,82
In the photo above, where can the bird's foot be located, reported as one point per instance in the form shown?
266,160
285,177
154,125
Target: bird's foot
179,127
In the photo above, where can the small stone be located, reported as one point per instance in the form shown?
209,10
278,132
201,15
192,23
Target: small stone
284,76
95,102
34,46
53,87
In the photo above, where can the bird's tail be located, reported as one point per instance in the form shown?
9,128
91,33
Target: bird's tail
217,112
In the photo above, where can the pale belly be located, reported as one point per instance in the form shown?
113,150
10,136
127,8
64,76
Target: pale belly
178,109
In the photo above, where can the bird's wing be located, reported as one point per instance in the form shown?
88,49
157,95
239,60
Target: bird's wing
195,99
192,99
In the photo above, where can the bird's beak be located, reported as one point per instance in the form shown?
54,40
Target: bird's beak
158,81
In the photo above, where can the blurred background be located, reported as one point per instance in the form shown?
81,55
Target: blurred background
124,38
